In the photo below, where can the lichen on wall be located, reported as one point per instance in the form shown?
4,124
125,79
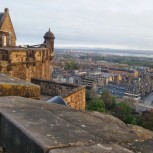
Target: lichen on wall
19,90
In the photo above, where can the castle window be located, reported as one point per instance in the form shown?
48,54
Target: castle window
1,40
4,41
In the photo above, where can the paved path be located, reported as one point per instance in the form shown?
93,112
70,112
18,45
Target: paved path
147,105
149,99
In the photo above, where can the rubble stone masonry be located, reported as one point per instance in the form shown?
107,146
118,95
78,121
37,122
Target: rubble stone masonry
76,99
27,63
73,95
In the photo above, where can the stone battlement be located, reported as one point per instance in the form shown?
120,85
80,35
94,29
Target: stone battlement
26,63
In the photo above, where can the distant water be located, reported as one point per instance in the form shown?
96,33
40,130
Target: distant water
118,52
134,53
148,55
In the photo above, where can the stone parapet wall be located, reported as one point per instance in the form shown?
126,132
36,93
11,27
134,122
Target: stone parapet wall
73,95
10,86
32,126
26,63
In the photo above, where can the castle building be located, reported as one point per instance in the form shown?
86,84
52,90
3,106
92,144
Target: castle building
7,33
24,62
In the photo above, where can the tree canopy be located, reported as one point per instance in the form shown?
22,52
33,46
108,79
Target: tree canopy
109,100
96,105
71,65
122,110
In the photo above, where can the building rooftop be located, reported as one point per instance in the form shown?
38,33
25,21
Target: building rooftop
49,35
121,69
1,15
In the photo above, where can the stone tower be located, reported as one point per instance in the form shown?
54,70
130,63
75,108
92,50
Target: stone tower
7,33
49,40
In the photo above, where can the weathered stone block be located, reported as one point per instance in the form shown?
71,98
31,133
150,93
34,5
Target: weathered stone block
10,86
32,126
73,95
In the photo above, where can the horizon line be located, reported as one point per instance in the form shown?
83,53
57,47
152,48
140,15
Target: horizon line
87,46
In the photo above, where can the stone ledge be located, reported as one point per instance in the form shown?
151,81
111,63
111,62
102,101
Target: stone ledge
55,128
11,86
38,81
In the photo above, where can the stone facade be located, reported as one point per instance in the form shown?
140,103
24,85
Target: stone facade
129,73
73,95
24,62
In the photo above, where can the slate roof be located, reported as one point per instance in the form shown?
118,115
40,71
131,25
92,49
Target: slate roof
49,35
1,14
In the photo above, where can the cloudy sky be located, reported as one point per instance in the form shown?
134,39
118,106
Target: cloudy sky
100,23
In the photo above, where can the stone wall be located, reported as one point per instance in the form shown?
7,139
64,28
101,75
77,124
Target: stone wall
73,95
10,86
27,63
76,99
32,126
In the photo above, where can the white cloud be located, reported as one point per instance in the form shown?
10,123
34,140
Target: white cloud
126,23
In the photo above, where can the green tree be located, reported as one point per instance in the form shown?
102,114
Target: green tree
88,97
71,65
96,105
124,112
109,100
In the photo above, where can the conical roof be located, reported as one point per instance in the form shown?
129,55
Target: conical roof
49,35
